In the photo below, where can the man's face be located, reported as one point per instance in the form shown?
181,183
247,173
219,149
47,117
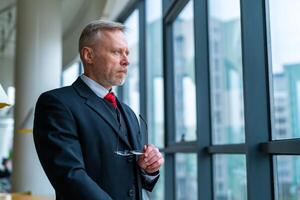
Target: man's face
110,59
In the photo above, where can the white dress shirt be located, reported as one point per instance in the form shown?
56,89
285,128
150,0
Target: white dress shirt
98,89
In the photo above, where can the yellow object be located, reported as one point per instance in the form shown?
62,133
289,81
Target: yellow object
2,105
26,124
3,98
25,130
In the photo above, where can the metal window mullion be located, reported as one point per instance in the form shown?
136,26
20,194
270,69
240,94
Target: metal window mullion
182,147
127,11
173,9
169,109
204,161
281,147
256,96
142,59
166,4
227,149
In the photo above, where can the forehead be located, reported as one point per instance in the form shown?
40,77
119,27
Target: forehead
115,39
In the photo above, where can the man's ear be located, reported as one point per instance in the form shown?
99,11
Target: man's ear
88,55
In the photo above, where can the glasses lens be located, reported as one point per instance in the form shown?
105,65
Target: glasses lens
136,152
123,153
129,153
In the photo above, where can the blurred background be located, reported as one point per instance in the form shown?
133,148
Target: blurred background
218,82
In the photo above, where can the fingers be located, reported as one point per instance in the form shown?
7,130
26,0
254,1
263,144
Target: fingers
152,159
155,166
142,157
142,163
149,148
152,156
155,156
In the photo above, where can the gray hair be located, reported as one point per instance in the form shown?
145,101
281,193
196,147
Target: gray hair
90,32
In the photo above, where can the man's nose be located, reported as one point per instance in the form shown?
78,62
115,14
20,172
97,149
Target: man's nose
125,60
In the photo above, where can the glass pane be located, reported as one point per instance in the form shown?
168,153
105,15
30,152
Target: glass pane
70,74
230,181
285,47
184,74
226,80
287,177
186,176
131,86
155,73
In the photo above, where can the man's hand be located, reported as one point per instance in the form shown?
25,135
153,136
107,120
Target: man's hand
151,160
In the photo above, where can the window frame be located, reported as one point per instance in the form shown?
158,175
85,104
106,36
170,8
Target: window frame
259,148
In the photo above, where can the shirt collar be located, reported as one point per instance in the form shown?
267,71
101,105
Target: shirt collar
98,89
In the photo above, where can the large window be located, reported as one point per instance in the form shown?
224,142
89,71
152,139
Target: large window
184,74
155,83
186,176
284,31
218,82
287,177
230,177
227,102
226,72
285,63
131,87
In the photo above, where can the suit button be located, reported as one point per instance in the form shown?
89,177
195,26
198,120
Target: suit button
131,192
129,159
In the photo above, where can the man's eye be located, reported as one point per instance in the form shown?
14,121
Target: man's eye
115,52
120,52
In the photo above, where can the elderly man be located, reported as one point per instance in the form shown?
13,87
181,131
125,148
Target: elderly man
86,139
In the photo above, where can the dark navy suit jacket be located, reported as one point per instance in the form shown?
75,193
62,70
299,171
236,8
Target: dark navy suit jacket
75,135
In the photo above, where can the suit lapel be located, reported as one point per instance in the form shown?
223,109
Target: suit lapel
98,105
131,130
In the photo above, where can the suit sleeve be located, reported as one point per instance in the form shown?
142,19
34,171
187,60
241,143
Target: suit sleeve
149,180
58,147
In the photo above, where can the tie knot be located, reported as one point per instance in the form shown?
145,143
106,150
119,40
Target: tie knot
111,98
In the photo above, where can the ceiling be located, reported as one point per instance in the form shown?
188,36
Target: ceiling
75,14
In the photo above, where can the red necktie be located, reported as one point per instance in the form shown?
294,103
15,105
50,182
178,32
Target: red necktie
111,98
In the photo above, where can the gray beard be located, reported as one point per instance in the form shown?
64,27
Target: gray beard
121,82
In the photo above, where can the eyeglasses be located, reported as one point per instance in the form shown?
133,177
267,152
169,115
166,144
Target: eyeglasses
131,152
